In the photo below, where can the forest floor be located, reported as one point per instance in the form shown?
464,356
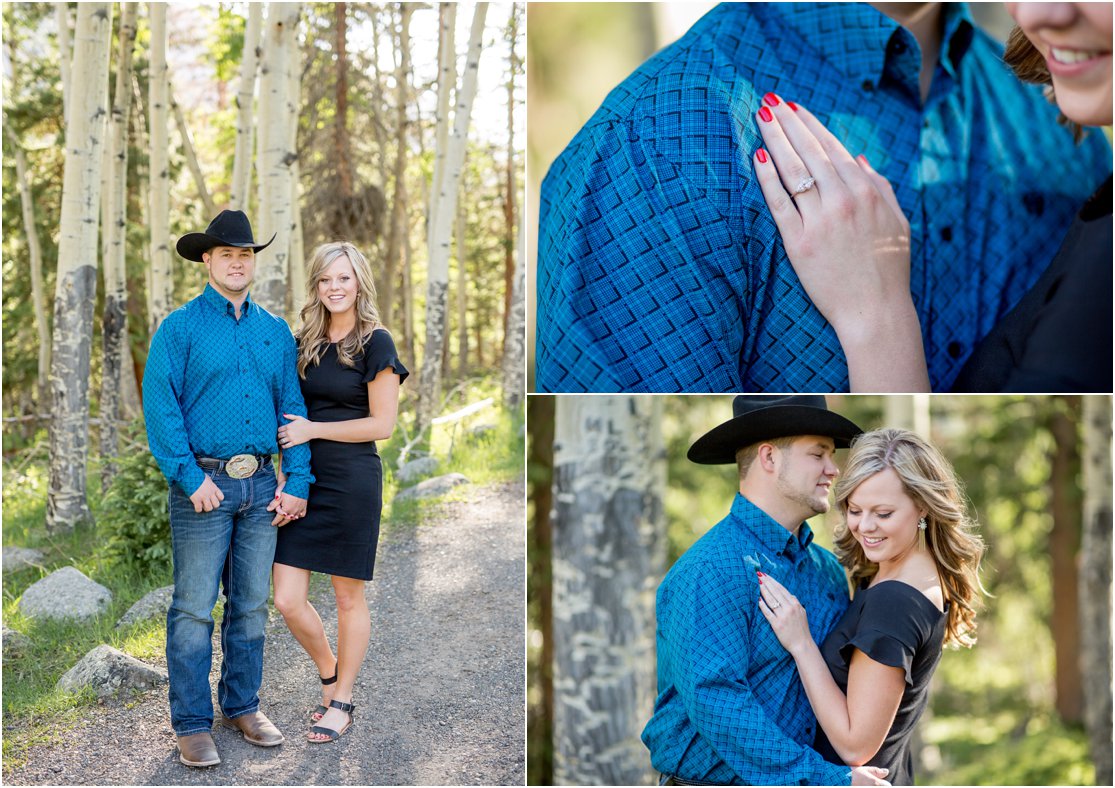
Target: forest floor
440,697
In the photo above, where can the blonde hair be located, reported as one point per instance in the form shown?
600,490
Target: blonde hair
1028,64
313,336
930,481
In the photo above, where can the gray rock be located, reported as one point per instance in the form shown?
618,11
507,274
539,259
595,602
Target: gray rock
481,430
431,488
153,604
108,670
16,644
416,469
16,558
65,594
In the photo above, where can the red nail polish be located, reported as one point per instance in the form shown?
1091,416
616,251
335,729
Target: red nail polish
760,574
764,113
864,160
792,106
762,154
771,100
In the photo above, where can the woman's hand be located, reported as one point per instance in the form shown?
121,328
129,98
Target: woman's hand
786,615
848,241
298,431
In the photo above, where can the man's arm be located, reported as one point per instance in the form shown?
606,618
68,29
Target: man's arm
640,282
711,652
163,380
295,460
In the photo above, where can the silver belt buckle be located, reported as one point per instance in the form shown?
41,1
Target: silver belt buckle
241,466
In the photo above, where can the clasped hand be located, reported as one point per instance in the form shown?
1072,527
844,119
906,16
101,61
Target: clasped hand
298,431
286,507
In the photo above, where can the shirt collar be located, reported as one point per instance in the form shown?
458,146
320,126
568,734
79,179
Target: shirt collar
770,534
857,40
222,305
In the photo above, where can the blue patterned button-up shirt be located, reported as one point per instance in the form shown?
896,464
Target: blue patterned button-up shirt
731,708
215,386
660,267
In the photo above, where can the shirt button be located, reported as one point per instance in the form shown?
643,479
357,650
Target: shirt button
898,46
946,233
955,349
247,421
868,86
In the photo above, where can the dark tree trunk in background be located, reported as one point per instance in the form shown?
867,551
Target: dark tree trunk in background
540,588
1064,543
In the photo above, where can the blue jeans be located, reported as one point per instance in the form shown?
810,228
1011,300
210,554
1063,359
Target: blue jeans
238,540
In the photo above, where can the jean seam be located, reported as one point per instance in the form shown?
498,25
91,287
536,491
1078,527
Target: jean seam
192,732
241,714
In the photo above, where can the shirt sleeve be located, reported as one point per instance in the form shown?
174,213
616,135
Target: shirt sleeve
296,459
892,628
379,354
163,379
639,279
710,650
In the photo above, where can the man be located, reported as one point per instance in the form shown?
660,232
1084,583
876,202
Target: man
659,265
220,372
731,709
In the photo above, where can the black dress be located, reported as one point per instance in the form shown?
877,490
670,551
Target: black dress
895,624
339,533
1058,337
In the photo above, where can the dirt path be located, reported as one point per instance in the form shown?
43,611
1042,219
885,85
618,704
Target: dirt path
440,696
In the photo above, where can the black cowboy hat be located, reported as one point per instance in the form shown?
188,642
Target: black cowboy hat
230,228
760,417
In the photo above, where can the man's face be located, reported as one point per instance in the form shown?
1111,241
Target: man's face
230,270
806,473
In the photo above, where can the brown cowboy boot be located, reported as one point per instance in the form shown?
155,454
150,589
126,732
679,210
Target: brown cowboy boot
257,729
198,749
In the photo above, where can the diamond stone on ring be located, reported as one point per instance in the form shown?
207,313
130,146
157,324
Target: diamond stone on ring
804,185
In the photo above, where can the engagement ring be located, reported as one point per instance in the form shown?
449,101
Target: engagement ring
804,185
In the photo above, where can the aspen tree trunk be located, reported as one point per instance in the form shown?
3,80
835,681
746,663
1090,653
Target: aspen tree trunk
162,270
400,225
409,335
76,285
462,293
1064,546
437,290
514,350
34,249
114,324
191,155
1095,582
249,66
297,273
275,154
340,124
65,55
609,554
447,81
509,203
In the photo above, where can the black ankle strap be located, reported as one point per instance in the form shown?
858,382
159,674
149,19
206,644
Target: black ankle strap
327,682
347,708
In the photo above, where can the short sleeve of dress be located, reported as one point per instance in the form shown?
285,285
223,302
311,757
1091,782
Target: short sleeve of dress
379,354
894,624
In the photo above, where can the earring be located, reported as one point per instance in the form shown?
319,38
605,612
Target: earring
922,526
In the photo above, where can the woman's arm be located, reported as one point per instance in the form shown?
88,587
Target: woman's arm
383,410
857,724
849,243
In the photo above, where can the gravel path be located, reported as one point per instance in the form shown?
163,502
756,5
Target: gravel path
440,698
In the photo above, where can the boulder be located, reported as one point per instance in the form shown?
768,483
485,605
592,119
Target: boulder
153,604
416,469
480,430
16,644
431,488
65,594
16,558
108,671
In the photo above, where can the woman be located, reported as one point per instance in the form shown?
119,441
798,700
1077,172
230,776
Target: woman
350,376
850,244
907,545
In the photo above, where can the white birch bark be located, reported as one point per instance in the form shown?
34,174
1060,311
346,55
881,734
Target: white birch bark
35,253
191,154
1095,583
447,82
462,292
437,289
114,325
297,257
276,154
65,55
245,123
76,284
609,554
162,272
514,346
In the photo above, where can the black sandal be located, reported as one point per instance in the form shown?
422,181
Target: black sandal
333,735
320,710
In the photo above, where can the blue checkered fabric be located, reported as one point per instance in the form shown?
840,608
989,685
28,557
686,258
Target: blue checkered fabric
660,268
215,386
731,708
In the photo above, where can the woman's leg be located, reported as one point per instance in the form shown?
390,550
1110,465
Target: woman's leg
292,589
353,632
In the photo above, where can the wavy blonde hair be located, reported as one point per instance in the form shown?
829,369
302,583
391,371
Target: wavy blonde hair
930,481
313,335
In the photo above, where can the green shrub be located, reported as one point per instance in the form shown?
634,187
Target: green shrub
134,524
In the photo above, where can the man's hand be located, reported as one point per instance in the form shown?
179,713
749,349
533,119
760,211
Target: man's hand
286,508
869,775
207,497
